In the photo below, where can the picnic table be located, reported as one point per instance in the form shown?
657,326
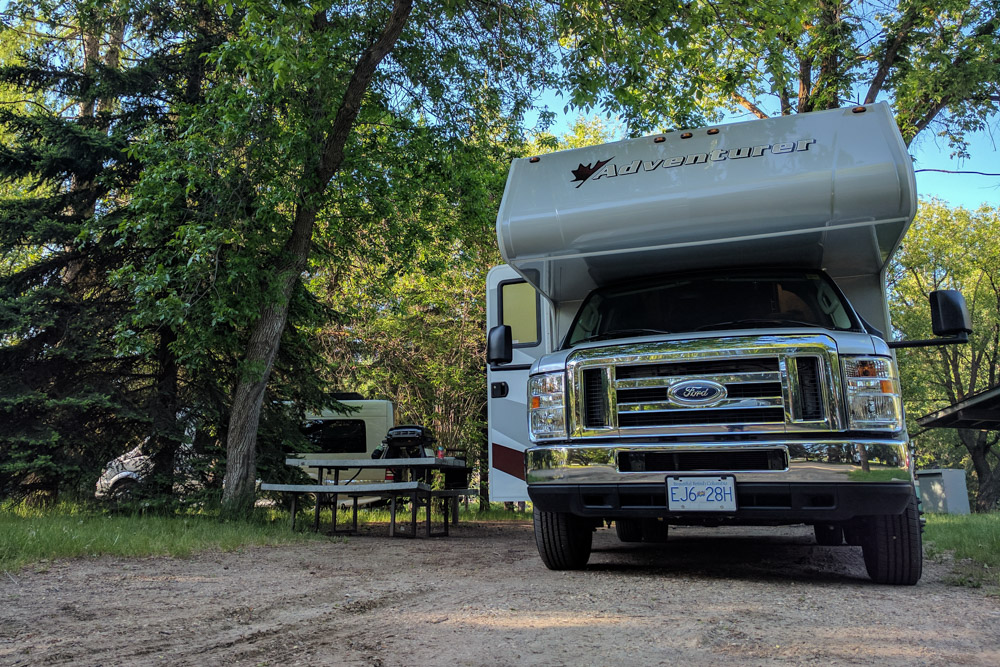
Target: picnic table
415,484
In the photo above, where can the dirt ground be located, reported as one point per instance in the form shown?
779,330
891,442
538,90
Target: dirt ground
483,597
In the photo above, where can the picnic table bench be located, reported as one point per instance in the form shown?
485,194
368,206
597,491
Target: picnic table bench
419,491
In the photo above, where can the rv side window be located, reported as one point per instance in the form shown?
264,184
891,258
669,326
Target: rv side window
337,436
519,309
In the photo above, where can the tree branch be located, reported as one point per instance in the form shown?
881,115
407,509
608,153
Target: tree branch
889,58
750,106
988,28
805,84
786,105
350,105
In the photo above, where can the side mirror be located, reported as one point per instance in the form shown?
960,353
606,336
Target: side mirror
949,319
949,314
499,345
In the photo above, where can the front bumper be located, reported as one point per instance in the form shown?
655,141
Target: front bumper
815,482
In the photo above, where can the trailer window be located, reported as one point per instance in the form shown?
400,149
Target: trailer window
337,436
519,309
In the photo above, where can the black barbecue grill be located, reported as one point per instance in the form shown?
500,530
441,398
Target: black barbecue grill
413,441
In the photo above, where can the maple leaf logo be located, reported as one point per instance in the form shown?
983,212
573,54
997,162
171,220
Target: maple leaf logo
585,171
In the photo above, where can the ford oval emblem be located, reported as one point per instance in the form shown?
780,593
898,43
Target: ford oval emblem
697,392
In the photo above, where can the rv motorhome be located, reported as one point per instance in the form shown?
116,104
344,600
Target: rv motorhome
692,329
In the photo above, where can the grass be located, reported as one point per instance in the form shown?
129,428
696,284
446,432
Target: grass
973,540
36,536
29,535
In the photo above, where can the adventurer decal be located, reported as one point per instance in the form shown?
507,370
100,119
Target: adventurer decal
609,169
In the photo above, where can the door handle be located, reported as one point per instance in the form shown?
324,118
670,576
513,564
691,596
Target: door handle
499,390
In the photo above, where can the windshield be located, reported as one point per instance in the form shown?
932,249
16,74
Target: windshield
706,302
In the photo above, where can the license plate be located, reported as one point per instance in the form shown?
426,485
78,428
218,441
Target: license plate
701,494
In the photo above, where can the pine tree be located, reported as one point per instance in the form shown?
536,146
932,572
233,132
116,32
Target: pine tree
72,395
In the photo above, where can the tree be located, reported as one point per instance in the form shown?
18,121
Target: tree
417,338
83,374
952,249
678,64
62,158
310,112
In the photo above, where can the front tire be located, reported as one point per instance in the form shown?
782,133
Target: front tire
563,540
893,549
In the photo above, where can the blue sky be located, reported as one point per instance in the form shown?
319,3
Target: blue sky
966,190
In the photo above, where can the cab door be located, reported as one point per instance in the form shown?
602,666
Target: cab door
513,301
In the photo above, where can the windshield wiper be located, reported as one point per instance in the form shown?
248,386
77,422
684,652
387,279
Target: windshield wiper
759,323
618,333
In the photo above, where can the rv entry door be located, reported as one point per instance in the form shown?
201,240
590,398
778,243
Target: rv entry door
514,302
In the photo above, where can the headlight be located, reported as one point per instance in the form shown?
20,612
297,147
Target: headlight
547,407
873,396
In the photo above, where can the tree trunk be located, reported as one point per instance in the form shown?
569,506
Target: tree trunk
241,446
978,444
167,433
988,495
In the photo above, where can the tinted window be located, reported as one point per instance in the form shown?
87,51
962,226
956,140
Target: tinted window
337,436
706,302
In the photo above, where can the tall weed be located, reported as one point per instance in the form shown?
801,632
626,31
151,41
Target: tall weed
973,539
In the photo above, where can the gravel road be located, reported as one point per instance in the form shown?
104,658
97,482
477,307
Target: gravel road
482,597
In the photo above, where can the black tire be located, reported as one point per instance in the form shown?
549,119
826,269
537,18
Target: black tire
629,530
563,540
828,534
893,548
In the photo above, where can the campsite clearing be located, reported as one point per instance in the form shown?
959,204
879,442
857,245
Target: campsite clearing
483,597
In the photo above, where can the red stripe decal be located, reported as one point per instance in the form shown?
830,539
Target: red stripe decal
508,460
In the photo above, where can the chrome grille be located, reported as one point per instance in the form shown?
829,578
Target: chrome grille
698,368
768,387
700,416
810,393
753,393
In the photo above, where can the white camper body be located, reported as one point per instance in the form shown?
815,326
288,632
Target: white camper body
703,314
353,434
